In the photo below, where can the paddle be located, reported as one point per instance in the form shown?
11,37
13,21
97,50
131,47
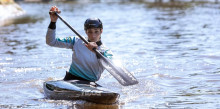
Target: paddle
121,74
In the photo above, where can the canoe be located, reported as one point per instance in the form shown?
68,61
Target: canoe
79,90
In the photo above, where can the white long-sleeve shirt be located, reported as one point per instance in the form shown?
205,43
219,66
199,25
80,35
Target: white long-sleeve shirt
85,63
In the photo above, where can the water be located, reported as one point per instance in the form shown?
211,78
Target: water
172,50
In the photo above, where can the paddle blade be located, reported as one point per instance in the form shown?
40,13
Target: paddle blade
120,73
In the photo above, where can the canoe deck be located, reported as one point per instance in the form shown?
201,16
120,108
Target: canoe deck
78,89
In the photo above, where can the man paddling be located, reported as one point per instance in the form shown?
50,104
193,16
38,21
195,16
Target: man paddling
85,64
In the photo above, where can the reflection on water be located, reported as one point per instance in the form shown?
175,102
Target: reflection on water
79,104
171,48
14,45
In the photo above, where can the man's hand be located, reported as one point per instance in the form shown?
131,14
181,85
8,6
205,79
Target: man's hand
53,17
91,46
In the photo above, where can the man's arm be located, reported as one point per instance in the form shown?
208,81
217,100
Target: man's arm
51,33
58,42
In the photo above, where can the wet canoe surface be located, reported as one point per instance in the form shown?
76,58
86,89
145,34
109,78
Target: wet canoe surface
78,89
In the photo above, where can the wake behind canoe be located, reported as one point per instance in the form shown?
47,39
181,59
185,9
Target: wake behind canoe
78,89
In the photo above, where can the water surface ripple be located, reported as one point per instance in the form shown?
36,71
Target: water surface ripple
173,51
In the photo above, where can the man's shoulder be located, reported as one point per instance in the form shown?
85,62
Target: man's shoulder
78,39
75,39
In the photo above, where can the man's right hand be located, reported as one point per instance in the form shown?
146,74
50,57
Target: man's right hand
91,46
53,17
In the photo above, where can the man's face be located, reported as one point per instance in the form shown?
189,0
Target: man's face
94,34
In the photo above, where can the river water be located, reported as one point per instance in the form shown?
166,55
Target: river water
174,52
